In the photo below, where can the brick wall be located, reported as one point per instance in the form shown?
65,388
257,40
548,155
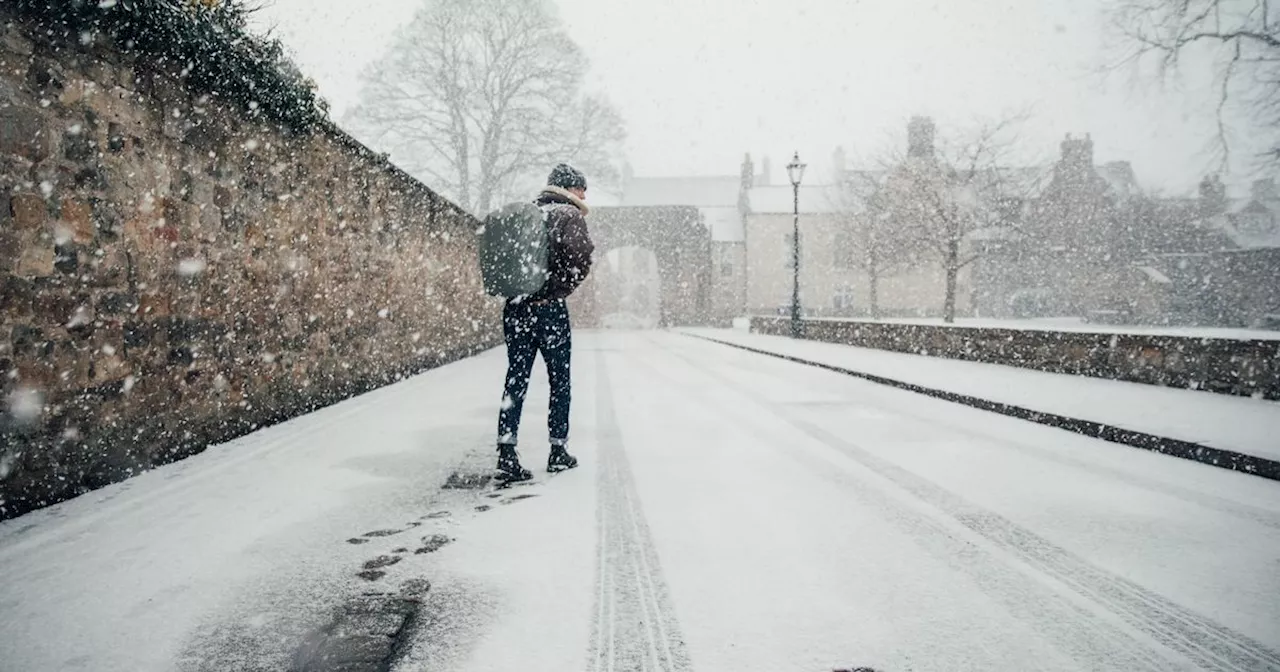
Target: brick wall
173,273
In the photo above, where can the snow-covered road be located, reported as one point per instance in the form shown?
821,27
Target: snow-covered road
733,512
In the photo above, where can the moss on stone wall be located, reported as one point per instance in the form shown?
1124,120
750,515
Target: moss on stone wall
207,41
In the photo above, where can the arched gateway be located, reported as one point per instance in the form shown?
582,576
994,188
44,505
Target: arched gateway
678,239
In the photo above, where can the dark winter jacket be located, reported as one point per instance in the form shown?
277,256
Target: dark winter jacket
571,246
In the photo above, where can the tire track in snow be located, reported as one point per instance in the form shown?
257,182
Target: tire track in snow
635,627
1207,643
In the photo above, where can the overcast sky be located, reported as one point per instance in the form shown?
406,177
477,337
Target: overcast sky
700,82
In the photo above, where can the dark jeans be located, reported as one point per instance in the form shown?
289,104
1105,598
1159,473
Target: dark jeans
530,329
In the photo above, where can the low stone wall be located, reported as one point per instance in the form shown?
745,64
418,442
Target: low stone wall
1240,367
174,273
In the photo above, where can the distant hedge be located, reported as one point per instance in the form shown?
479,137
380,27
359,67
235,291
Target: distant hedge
207,40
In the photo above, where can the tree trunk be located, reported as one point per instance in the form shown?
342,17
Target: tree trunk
873,278
953,271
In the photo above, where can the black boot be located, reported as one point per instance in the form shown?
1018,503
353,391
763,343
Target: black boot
560,460
509,469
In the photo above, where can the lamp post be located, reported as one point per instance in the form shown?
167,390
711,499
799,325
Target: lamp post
795,171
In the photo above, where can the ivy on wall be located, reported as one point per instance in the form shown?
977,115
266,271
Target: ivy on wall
206,40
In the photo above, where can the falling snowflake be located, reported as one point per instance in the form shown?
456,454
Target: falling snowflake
83,315
62,234
6,465
46,188
191,267
26,405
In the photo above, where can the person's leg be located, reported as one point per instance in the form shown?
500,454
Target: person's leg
557,348
520,330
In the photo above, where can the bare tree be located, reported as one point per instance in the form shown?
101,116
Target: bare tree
939,197
868,240
482,97
1241,38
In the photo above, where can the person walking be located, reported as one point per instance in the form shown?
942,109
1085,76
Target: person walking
539,323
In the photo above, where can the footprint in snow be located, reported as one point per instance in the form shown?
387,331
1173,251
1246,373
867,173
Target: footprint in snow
382,561
433,543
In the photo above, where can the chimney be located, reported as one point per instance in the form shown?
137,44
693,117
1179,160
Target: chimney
748,172
838,162
1078,153
763,180
920,137
1213,196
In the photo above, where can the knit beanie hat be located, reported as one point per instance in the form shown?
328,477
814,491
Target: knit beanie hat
566,176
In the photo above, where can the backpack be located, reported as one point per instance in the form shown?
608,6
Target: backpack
514,247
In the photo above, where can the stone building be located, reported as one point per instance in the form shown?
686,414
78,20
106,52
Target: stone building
835,278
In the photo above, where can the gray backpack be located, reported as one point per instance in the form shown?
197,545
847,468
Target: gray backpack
513,250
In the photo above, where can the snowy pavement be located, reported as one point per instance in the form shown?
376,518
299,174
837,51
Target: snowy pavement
733,512
1239,424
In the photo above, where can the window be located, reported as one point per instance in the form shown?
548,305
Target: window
843,299
726,261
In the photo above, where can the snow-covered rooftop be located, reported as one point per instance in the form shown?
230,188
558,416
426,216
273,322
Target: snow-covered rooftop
701,191
1120,178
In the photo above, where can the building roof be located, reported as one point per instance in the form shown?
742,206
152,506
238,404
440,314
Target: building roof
1120,178
725,224
818,199
701,191
1250,227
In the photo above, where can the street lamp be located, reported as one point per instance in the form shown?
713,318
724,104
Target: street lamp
795,171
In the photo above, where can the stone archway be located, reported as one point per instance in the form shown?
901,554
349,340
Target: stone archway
682,246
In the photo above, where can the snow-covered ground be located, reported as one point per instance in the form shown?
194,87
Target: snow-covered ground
1240,424
1075,324
733,512
223,554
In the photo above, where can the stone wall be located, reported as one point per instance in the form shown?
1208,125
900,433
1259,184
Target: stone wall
174,273
1241,367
